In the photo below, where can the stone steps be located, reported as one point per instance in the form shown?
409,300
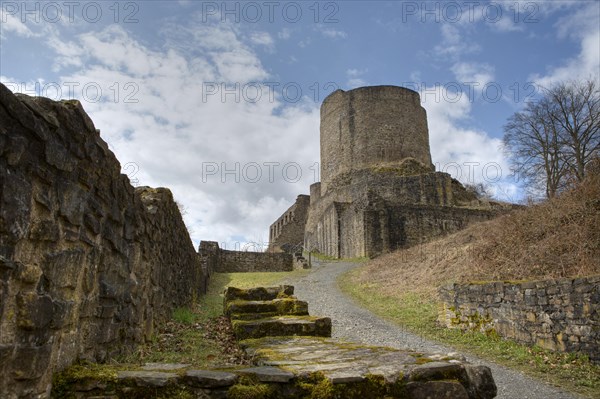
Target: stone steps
290,363
271,312
281,306
279,326
358,371
259,293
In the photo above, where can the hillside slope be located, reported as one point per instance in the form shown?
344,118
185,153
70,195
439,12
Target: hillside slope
557,238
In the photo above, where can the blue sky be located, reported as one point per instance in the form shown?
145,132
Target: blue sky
219,101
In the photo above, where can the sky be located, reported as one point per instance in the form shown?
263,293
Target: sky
219,101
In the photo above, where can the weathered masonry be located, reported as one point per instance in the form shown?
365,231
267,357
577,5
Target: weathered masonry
89,265
379,189
215,259
560,315
287,233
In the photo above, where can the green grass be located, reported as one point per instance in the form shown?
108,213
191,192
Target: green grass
184,316
417,314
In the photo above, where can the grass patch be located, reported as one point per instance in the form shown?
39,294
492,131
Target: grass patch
184,316
418,314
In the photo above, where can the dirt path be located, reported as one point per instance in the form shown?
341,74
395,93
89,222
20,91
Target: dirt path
354,323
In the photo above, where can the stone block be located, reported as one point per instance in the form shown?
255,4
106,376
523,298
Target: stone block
34,311
258,294
282,306
435,389
151,379
438,371
282,326
268,374
209,379
481,382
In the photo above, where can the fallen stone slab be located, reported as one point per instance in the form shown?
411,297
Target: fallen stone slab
282,326
210,379
155,379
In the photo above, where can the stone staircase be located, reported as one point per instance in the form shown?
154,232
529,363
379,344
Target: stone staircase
271,312
294,357
292,348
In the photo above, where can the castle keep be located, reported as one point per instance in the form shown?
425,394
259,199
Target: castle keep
379,190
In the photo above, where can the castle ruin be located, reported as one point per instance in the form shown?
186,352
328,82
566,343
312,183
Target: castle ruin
379,190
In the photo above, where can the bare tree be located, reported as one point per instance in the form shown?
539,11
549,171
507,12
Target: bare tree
577,114
555,136
532,142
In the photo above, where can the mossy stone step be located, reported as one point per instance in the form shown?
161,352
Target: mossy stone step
282,326
353,370
260,309
259,293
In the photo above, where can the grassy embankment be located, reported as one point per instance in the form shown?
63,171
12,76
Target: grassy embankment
559,238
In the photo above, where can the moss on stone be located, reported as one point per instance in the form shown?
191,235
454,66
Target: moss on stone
171,392
82,373
315,386
422,360
248,387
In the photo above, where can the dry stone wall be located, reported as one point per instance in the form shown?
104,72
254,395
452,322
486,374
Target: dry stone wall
220,260
561,315
88,263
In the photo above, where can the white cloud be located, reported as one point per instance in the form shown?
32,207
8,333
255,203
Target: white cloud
583,26
333,33
354,78
10,23
262,39
473,72
284,34
453,44
469,155
507,24
179,128
304,42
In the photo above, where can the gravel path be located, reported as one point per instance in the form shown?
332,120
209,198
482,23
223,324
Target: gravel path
354,323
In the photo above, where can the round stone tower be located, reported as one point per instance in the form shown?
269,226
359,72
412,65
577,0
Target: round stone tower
371,126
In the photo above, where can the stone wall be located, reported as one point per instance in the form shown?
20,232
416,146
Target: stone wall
88,264
287,232
560,315
373,211
225,261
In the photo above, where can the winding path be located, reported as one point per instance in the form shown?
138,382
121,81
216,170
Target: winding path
354,323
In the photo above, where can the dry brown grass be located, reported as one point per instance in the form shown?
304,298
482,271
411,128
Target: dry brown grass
557,238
